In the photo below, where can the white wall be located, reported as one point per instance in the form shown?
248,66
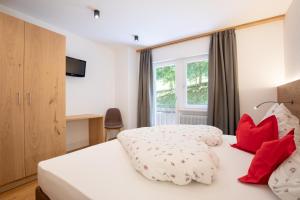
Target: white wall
92,94
182,50
261,65
127,84
292,42
260,62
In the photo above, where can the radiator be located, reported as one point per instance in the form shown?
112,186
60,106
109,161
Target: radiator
170,116
193,117
164,118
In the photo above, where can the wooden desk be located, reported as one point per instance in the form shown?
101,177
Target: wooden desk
96,126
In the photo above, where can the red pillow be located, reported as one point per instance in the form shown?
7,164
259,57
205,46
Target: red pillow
268,158
250,137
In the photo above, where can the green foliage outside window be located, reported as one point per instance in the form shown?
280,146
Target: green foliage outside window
196,80
197,83
165,87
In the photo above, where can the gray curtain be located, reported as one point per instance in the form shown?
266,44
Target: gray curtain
223,96
145,92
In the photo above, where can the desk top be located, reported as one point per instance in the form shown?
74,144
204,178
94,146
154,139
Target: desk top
82,117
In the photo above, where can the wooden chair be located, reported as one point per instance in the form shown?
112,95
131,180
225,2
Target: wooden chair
113,121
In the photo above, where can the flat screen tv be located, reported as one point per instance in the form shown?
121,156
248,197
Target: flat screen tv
75,67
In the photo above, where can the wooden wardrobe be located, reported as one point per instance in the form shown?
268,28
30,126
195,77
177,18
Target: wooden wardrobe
32,97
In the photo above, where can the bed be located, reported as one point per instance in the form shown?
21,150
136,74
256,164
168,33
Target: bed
104,171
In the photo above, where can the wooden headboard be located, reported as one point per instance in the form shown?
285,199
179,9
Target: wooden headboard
290,92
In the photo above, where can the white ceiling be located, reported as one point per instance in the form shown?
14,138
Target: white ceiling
155,21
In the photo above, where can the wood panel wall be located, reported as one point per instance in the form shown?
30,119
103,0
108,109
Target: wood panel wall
290,92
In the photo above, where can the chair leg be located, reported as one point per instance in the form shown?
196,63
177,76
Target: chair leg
105,136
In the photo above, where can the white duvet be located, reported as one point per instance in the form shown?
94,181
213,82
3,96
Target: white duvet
178,153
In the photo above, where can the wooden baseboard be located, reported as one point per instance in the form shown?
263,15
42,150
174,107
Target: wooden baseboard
17,183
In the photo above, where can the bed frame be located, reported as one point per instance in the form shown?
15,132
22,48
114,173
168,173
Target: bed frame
285,93
40,195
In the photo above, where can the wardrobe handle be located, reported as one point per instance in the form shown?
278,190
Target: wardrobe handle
19,98
29,98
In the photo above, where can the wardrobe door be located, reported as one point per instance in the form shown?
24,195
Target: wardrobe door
44,87
11,99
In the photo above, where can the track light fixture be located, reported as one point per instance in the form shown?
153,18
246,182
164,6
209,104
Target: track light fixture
136,38
96,14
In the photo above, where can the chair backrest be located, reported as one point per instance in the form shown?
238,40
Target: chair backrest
113,118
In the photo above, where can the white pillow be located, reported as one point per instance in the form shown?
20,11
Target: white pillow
285,180
297,137
286,120
271,110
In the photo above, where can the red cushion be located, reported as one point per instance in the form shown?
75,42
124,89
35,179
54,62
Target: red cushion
250,137
268,158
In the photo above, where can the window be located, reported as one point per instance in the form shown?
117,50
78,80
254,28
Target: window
181,91
197,83
165,94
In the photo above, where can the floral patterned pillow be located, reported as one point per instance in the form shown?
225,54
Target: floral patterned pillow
285,180
297,137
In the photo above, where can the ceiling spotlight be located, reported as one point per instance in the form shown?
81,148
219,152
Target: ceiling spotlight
96,14
136,38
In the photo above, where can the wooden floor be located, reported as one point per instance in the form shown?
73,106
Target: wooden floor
24,192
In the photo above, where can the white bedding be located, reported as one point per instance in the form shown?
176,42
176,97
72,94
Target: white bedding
104,172
175,153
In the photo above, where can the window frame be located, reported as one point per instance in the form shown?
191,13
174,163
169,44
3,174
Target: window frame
186,62
180,82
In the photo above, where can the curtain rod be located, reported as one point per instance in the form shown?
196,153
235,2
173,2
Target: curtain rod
241,26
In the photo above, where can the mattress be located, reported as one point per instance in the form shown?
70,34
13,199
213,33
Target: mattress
104,172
